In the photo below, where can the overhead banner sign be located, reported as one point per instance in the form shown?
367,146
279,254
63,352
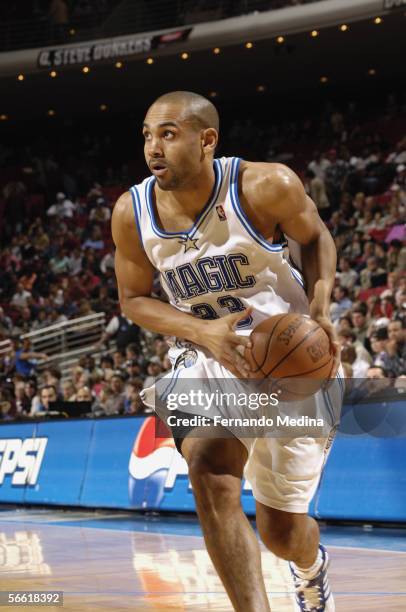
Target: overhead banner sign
108,50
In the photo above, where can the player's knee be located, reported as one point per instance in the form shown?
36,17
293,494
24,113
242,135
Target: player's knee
215,491
281,538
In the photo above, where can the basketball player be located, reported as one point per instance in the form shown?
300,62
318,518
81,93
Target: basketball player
209,226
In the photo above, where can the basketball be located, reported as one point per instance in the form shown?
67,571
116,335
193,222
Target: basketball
292,350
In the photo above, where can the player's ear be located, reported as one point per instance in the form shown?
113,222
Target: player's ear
209,140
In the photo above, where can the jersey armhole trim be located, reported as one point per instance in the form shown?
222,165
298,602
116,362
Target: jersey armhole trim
137,210
235,201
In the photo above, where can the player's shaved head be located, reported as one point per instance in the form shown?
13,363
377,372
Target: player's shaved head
192,107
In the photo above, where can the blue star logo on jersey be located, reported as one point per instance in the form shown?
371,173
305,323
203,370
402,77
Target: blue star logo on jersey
189,243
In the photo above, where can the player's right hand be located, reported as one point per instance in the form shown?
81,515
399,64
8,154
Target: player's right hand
225,344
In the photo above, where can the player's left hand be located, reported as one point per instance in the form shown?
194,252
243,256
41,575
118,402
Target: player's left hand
335,347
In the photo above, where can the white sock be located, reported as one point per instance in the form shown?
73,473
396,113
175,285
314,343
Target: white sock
309,572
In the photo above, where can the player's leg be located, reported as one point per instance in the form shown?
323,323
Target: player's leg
215,469
296,538
291,536
284,474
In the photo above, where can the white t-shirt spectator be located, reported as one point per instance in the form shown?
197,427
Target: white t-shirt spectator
347,279
319,167
107,263
360,368
20,298
63,208
75,264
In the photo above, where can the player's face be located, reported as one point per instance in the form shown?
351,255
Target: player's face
173,147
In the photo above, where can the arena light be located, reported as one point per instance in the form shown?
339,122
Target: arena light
343,27
378,20
372,72
213,94
280,40
314,33
103,107
216,50
261,88
20,77
53,74
323,79
248,45
150,60
51,113
185,55
3,117
119,64
85,69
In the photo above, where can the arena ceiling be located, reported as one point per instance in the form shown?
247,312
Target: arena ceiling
302,66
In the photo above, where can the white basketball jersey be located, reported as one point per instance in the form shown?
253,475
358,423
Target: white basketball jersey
221,264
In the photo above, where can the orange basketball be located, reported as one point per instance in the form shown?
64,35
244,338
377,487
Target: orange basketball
292,350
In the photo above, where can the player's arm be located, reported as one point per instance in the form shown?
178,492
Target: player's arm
135,273
280,195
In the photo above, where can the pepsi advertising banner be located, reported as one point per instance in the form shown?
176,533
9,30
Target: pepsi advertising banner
120,463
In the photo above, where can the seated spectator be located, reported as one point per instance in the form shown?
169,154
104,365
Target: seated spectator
107,263
63,208
154,369
107,367
372,275
132,392
21,297
341,303
32,399
396,347
116,400
317,191
41,320
7,404
75,262
132,368
100,212
95,241
68,391
319,165
84,394
359,366
79,377
346,275
47,395
103,302
359,322
60,263
347,337
52,376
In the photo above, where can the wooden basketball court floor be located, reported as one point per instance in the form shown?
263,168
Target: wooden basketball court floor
121,561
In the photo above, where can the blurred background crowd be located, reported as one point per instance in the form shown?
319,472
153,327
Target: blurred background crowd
64,21
57,258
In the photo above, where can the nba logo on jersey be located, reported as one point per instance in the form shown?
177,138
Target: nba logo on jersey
221,213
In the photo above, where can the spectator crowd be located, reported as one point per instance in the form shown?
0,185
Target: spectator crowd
57,263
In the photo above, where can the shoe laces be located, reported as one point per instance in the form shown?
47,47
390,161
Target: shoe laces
311,593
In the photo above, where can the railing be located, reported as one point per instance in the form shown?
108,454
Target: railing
64,343
129,16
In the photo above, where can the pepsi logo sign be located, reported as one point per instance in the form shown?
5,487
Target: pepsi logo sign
21,459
